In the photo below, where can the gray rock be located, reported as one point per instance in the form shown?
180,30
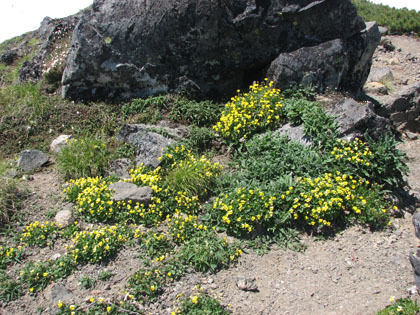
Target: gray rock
150,148
355,119
59,143
295,133
120,168
321,66
246,284
403,108
55,256
58,292
414,258
126,191
8,57
31,159
375,88
64,218
129,132
380,75
136,48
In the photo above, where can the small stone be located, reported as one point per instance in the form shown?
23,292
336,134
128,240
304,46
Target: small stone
412,290
27,177
246,284
394,61
31,159
59,143
375,88
55,257
64,218
411,135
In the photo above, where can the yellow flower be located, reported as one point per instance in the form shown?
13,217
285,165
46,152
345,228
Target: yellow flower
59,304
152,288
194,299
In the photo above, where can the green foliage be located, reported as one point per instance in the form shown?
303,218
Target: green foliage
193,176
403,306
154,244
104,275
145,110
41,234
87,282
201,303
200,138
9,255
398,21
201,114
206,252
9,289
146,284
11,197
270,157
99,306
84,157
52,78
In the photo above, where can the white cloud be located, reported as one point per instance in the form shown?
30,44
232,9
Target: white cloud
21,16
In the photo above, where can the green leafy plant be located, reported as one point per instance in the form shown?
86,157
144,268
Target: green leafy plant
12,195
87,282
207,252
9,289
204,113
200,139
104,275
201,303
9,255
404,306
98,306
41,234
84,157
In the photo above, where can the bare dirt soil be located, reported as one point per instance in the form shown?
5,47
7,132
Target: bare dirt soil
356,272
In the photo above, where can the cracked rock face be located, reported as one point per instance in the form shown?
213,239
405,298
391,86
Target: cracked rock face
138,48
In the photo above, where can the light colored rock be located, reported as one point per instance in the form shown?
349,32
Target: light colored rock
380,75
375,88
126,191
120,168
59,143
58,292
394,61
31,159
64,218
294,133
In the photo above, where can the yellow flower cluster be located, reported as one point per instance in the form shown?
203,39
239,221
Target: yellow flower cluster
356,152
140,176
37,233
184,226
244,209
9,254
321,200
93,246
247,113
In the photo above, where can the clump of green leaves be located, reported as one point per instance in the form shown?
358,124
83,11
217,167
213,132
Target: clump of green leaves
98,306
205,251
84,157
9,289
87,282
145,110
403,306
201,114
41,234
9,255
201,303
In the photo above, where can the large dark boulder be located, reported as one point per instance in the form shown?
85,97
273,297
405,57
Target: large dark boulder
137,48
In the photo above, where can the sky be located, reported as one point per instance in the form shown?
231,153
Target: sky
21,16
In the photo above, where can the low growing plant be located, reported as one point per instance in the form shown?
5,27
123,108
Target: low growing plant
201,303
40,234
84,157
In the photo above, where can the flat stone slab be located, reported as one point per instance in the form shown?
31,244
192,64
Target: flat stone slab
124,191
